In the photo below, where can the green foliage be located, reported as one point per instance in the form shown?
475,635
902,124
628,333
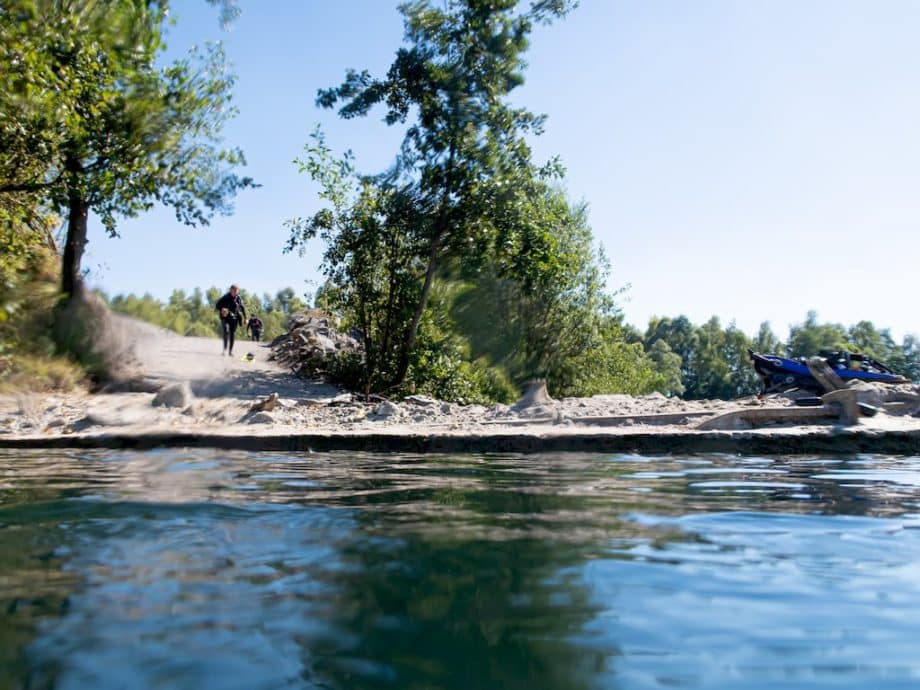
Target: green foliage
369,262
462,268
28,295
193,314
91,123
442,367
700,362
464,165
541,309
809,338
666,363
27,268
712,362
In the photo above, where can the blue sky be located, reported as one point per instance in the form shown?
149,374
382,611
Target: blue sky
745,159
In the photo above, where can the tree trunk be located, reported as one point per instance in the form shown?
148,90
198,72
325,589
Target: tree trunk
75,244
412,332
433,256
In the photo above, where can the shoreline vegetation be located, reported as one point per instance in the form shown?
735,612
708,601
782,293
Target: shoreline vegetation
463,270
689,361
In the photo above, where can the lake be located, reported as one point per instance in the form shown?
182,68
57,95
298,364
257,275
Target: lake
218,569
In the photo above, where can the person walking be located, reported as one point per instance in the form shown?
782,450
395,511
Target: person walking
254,326
232,312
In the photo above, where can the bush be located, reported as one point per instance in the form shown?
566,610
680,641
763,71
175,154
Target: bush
29,276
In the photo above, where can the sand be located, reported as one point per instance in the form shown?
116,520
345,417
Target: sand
211,399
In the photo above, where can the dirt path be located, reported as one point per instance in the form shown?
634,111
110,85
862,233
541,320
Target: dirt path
163,357
223,409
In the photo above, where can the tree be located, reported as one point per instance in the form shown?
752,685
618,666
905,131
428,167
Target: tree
682,339
766,342
907,363
370,230
667,366
464,157
541,310
107,130
807,339
714,362
865,338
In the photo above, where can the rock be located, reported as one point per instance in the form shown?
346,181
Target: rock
536,394
310,342
262,418
266,405
421,400
175,395
386,409
867,393
537,411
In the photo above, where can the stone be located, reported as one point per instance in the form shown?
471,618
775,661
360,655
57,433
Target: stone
846,400
175,395
535,395
386,409
421,400
266,405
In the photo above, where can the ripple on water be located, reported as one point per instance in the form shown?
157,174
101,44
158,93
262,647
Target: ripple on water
190,569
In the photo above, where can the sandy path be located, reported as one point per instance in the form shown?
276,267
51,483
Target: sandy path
164,357
317,415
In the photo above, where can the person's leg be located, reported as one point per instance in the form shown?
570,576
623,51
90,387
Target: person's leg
225,329
232,329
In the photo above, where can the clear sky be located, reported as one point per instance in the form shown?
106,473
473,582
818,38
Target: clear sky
749,159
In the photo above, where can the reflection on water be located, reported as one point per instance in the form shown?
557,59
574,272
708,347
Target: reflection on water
208,569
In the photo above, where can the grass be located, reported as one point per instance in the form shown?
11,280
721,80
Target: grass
37,373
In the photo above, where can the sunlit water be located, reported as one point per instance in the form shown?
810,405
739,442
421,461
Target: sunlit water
212,569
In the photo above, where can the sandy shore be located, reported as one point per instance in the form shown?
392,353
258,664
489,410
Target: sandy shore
186,393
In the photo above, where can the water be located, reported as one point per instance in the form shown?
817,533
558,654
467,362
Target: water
210,569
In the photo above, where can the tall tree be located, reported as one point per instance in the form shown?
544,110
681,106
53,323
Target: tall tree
667,366
766,342
810,337
465,150
109,131
371,232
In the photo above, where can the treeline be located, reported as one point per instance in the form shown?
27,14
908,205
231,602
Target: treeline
708,361
472,336
194,314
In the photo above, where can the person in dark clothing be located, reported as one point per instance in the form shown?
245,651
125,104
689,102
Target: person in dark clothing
232,312
254,326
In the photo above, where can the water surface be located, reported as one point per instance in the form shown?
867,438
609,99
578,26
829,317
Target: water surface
215,569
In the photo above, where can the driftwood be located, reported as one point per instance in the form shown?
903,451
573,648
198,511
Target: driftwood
762,416
824,375
597,420
266,405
